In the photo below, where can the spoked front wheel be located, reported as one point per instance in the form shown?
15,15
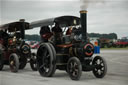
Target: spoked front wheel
14,62
100,67
33,62
46,57
74,68
22,62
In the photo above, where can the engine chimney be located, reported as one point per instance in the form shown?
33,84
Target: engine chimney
83,18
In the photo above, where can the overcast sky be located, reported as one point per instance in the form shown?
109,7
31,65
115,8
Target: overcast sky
104,16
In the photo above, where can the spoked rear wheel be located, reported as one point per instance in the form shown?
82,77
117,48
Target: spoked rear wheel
1,60
100,69
46,56
74,68
14,62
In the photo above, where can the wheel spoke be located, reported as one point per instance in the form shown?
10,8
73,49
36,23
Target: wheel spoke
76,70
73,73
102,64
42,66
99,72
76,73
47,65
102,69
75,64
48,56
47,70
45,52
71,70
71,64
40,51
95,69
98,61
101,61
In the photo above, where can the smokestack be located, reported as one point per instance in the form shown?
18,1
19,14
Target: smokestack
83,18
22,21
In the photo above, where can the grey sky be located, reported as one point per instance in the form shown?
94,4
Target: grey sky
104,16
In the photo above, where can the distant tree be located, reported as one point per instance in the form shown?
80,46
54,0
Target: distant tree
32,37
108,36
113,36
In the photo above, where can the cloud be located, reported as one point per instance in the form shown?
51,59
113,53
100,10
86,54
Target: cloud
30,9
110,16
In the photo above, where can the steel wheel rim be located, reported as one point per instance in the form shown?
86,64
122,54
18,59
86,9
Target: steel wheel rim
44,64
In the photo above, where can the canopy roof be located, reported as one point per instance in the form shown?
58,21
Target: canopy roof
64,21
15,26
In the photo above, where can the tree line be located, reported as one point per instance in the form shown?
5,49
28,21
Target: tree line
32,37
108,36
98,35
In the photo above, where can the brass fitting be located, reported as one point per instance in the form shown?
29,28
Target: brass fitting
83,11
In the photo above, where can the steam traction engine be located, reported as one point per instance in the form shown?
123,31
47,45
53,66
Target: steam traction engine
13,49
72,54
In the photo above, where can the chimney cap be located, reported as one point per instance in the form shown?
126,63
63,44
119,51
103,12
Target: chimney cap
83,11
22,20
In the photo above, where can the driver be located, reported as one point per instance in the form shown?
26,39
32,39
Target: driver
56,28
5,38
57,33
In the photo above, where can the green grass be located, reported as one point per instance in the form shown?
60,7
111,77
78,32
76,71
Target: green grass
125,48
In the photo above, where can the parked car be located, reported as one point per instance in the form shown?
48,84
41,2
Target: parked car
35,45
122,43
